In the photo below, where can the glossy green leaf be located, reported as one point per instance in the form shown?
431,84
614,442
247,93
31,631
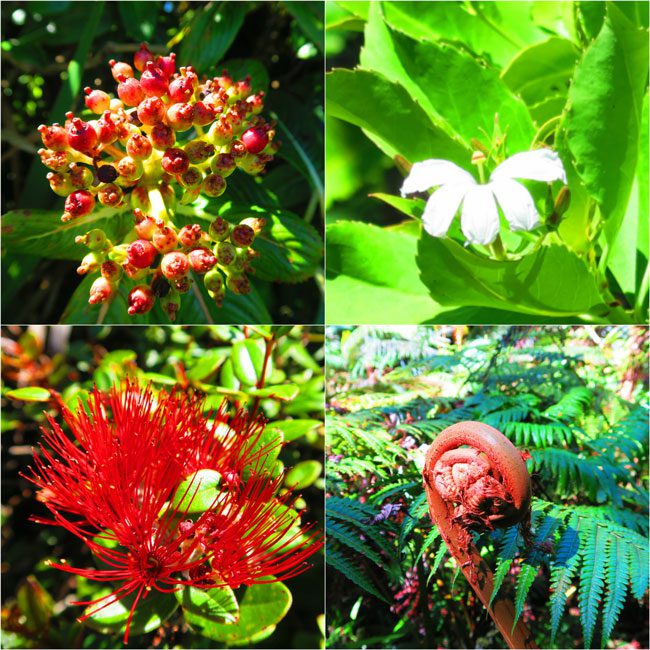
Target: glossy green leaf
603,121
380,106
309,16
428,70
152,610
197,493
282,392
262,454
552,281
248,359
30,394
372,276
543,70
207,363
293,429
303,474
218,605
210,32
497,30
262,607
42,233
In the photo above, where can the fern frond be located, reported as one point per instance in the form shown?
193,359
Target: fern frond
592,580
638,570
617,578
539,434
352,539
428,541
572,405
507,551
352,572
525,581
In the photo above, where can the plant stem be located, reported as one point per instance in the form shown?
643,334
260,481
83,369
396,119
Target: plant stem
268,349
158,207
114,151
199,299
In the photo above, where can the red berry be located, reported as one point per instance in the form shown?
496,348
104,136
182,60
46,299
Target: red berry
151,111
120,69
81,135
255,139
106,128
201,260
204,114
141,57
238,149
180,116
139,146
145,226
181,89
153,81
101,290
165,239
214,185
141,253
97,100
130,91
54,137
141,300
167,64
175,161
174,265
78,204
162,136
190,235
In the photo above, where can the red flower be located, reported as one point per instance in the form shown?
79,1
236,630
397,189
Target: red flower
117,486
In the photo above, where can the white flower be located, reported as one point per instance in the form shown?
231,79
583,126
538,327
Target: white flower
479,218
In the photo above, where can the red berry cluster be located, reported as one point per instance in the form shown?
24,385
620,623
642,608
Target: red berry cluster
169,137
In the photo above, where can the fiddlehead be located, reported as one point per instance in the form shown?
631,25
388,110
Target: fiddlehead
476,480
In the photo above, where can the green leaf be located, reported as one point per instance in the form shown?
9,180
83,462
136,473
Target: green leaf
262,608
496,29
210,32
35,604
428,71
139,18
282,392
380,106
218,605
29,394
309,16
262,454
410,207
197,493
152,610
372,276
303,474
241,68
248,358
207,363
543,70
603,120
293,429
42,233
553,281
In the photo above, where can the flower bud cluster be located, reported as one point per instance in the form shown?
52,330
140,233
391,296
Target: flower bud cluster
168,137
162,259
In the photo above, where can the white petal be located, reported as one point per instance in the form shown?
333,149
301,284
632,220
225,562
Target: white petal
517,204
479,219
441,208
538,165
430,173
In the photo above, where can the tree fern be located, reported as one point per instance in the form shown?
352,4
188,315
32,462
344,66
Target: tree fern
351,570
617,577
592,579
